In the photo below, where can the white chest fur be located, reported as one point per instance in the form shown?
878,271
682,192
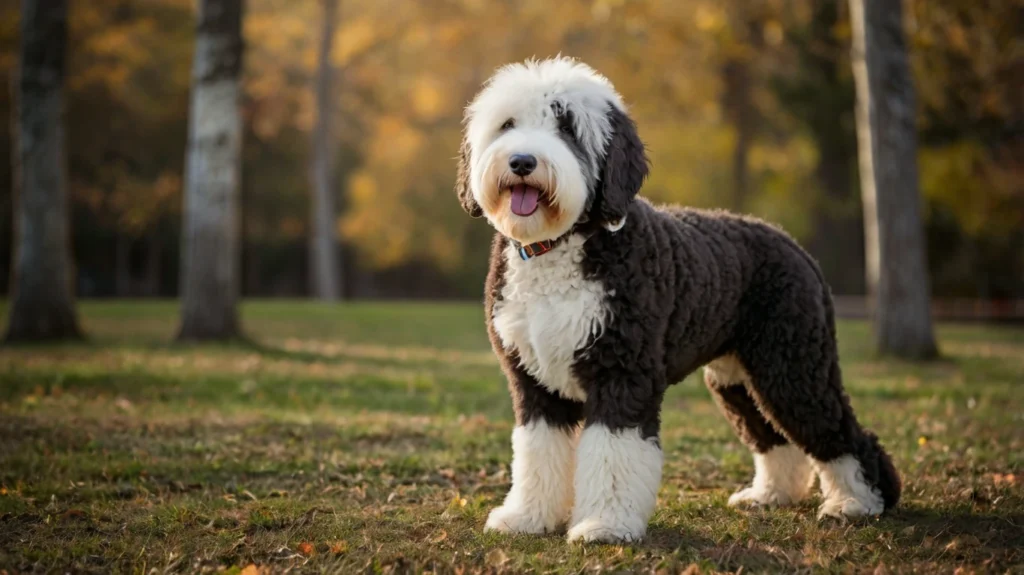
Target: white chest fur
548,312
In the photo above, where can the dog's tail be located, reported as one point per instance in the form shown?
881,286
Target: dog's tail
879,470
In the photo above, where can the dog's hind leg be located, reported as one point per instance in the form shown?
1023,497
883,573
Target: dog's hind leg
783,473
796,383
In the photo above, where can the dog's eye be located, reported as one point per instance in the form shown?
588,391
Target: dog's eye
508,125
565,125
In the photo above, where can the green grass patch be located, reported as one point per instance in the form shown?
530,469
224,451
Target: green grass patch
375,438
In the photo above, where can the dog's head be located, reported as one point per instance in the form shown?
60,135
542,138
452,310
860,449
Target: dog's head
547,145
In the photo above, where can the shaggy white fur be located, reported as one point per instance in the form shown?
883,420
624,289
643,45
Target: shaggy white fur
513,115
782,476
844,490
542,481
617,479
548,312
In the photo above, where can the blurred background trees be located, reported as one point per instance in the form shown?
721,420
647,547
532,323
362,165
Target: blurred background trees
323,238
210,262
744,105
42,302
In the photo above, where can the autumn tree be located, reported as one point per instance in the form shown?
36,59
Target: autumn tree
757,93
816,88
897,273
42,306
324,256
210,239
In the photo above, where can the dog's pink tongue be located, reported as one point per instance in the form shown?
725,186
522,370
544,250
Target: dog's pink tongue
524,199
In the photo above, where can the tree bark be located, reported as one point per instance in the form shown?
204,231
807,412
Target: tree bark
210,240
324,255
823,98
739,109
897,273
42,306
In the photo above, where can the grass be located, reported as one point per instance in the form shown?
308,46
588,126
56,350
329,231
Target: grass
375,438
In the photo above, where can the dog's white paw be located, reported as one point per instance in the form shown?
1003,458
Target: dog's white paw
849,507
507,519
845,493
760,497
599,531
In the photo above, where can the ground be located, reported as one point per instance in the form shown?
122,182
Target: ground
375,438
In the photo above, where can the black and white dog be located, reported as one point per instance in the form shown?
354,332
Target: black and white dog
596,302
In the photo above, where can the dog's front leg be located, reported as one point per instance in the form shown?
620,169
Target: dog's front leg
543,459
618,462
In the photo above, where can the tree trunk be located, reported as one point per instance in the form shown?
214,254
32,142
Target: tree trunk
210,240
42,306
324,256
826,97
153,268
897,273
739,109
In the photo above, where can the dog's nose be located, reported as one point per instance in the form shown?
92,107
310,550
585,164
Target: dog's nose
522,164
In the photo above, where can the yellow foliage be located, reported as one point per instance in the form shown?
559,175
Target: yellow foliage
405,70
428,97
353,38
952,177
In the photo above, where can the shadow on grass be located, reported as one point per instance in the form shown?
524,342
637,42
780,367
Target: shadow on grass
959,533
911,535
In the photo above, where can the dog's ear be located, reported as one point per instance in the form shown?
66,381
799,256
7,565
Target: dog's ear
462,186
624,170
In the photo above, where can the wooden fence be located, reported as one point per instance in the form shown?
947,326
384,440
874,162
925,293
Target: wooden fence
996,311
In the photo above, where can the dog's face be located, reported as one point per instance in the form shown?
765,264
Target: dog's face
546,145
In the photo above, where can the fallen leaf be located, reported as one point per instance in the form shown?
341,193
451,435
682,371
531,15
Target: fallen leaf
73,513
1000,478
439,537
306,548
339,547
248,494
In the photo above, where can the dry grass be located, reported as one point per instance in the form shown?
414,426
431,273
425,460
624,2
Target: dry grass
374,438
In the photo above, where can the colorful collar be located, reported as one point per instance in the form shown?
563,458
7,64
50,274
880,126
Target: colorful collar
533,250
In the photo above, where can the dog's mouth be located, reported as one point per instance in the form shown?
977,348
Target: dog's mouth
525,199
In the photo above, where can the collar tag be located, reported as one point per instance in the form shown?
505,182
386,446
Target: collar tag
533,250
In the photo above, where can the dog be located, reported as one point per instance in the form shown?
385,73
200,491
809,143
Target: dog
596,301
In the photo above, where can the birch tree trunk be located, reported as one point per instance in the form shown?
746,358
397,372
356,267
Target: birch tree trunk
324,255
897,272
210,241
42,305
